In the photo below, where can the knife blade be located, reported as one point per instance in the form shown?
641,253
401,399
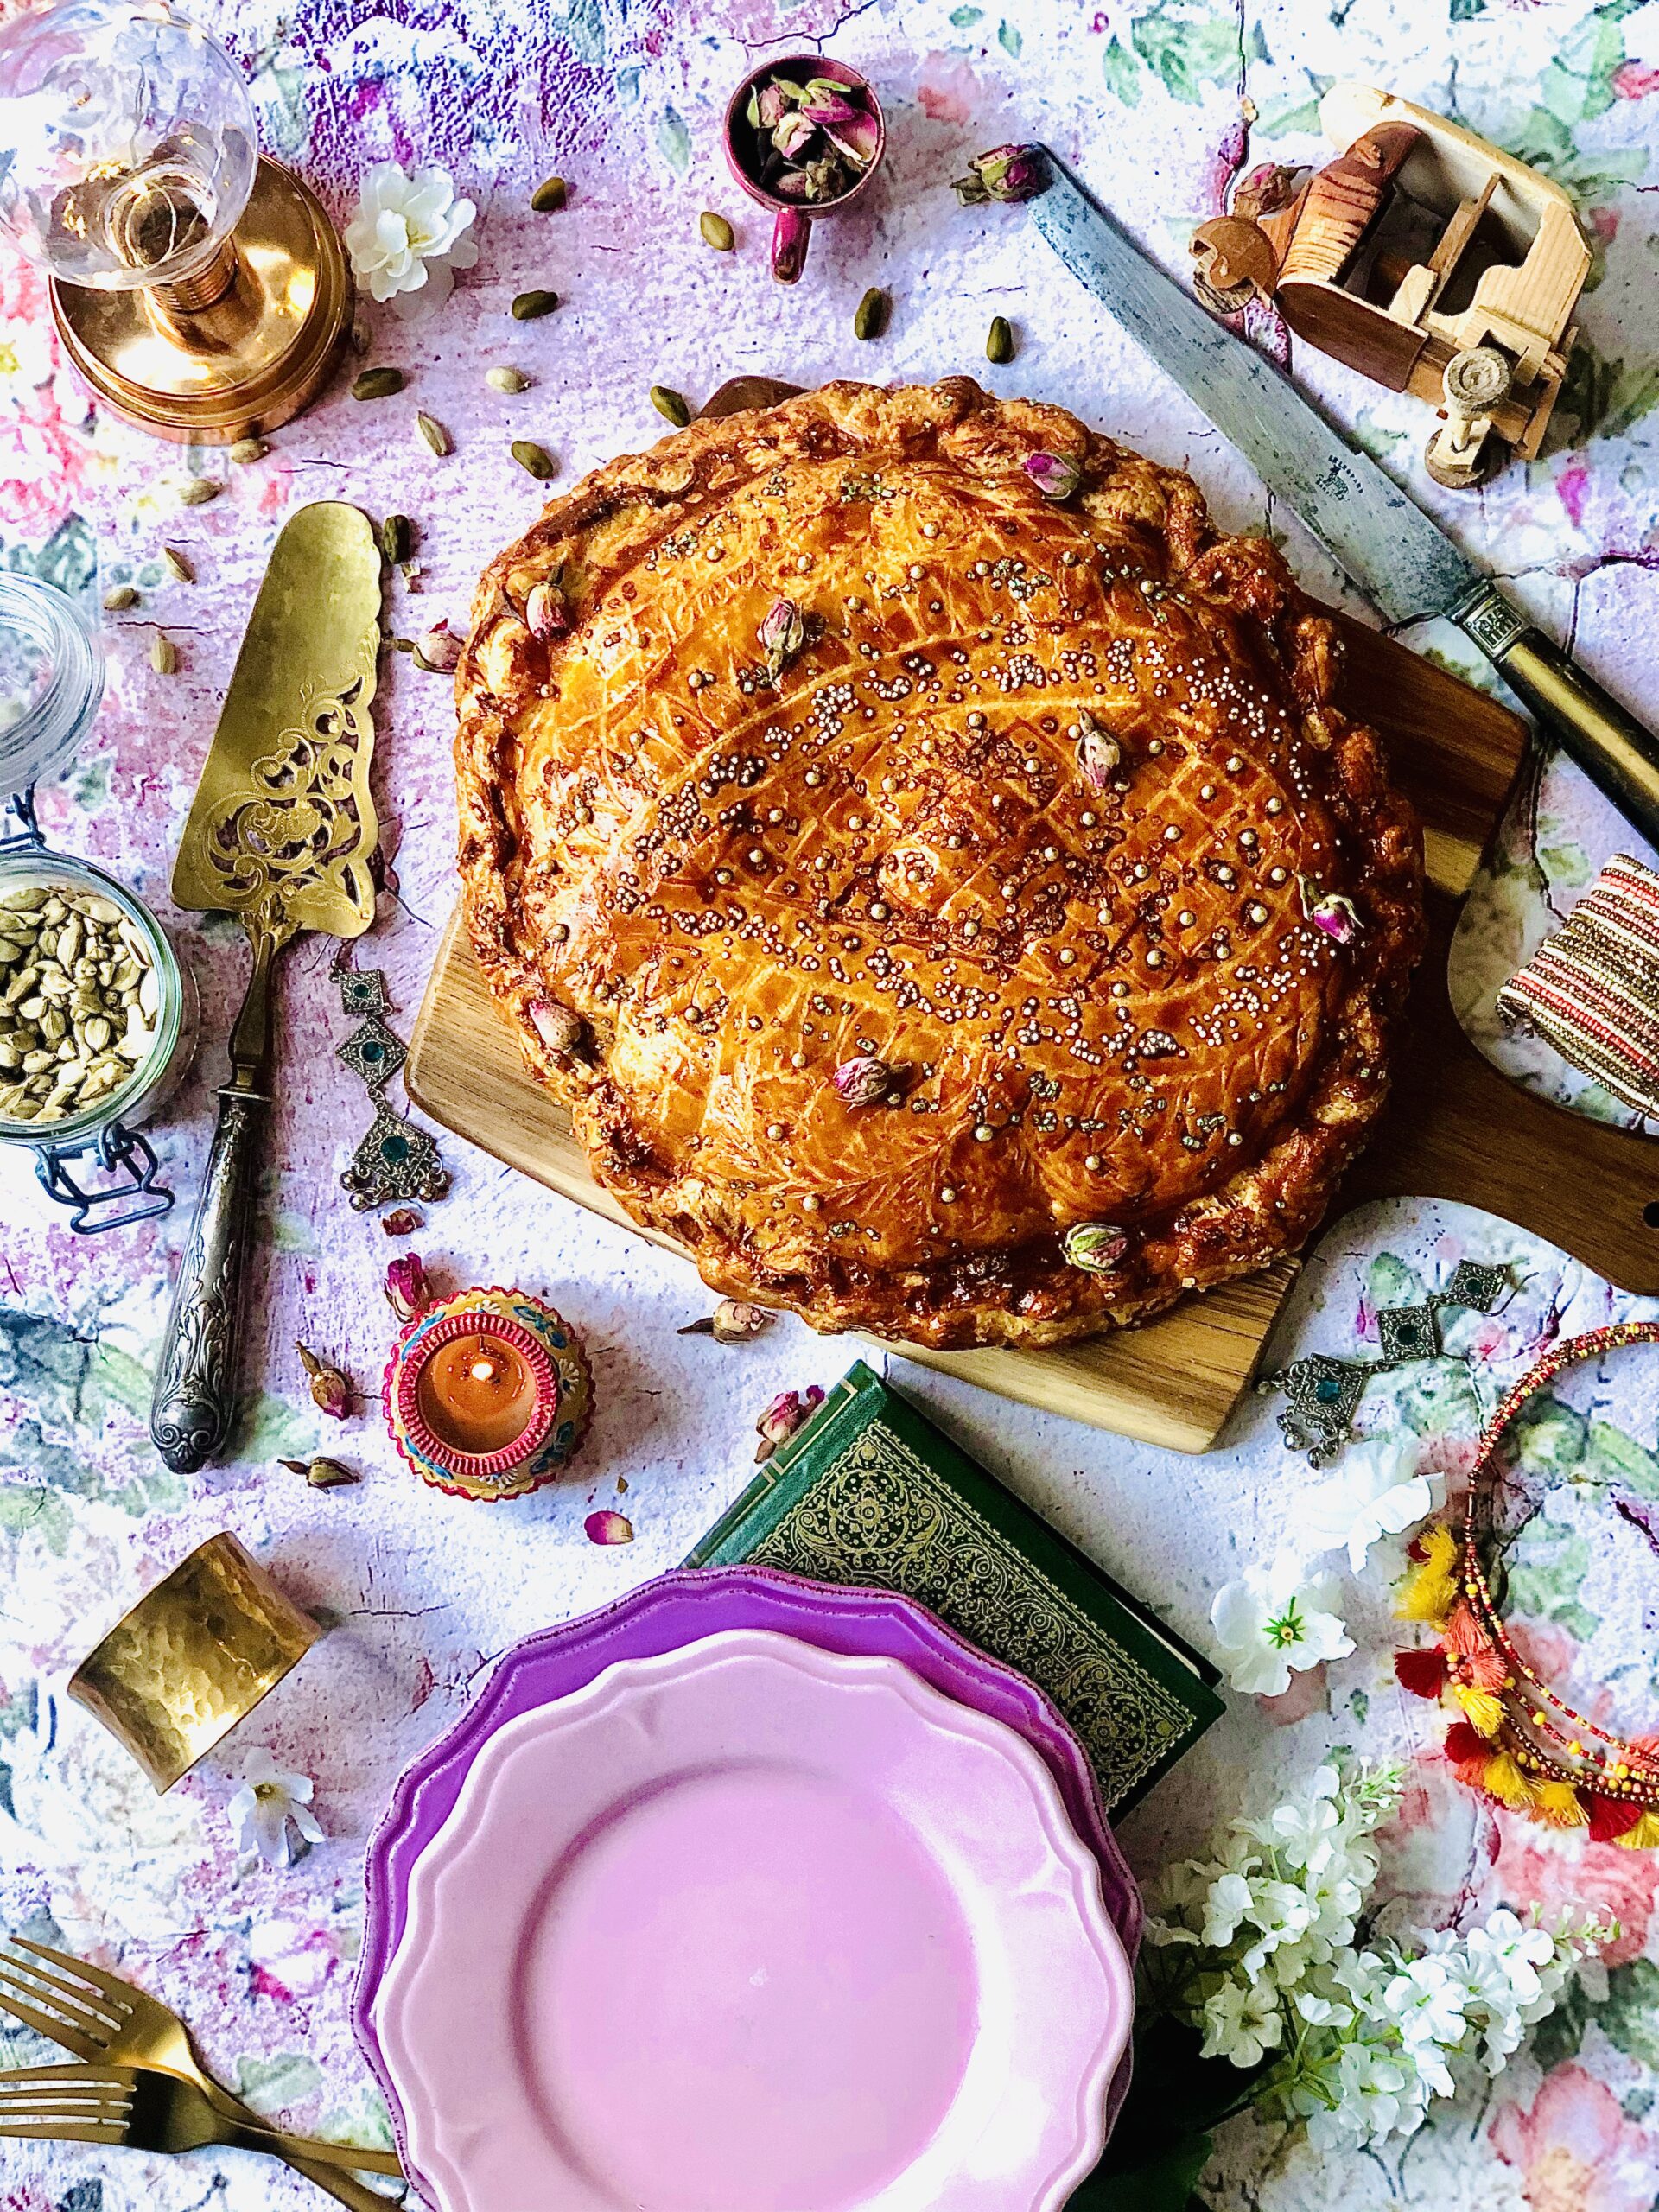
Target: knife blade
1397,554
282,834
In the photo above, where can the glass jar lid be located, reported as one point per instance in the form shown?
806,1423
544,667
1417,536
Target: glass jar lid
51,681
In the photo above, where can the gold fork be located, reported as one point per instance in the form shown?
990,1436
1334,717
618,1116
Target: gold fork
99,2018
149,2111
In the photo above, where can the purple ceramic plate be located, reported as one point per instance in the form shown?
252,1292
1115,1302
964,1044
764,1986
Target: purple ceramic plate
663,1615
753,1926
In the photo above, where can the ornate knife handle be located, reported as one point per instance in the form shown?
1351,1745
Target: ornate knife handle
195,1383
1614,750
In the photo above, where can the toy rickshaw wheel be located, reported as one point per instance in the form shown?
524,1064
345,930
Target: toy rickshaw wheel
1487,460
1221,301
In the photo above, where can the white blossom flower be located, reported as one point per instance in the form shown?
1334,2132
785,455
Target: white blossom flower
1227,1902
410,232
1379,1491
262,1810
1304,1835
1274,1620
1242,2022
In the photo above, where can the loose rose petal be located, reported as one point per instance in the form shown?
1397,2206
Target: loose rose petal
608,1528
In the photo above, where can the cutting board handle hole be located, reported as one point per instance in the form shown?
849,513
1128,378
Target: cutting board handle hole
1650,1213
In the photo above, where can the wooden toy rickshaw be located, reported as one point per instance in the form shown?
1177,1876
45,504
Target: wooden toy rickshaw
1424,258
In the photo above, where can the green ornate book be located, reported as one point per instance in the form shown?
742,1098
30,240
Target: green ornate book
870,1492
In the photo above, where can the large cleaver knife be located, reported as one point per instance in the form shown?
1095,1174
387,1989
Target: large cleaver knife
1404,563
282,834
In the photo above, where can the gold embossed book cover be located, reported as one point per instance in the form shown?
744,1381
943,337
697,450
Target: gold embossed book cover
870,1491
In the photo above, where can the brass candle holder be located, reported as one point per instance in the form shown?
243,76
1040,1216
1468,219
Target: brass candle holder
201,289
193,1658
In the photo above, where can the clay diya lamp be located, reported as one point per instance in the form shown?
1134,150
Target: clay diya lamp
487,1394
804,136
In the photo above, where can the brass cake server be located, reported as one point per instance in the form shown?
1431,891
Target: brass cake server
282,833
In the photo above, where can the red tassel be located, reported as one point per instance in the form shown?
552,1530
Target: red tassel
1415,1551
1610,1816
1422,1673
1464,1743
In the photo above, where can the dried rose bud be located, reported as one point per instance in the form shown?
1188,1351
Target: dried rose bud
781,636
793,135
1056,475
403,1221
545,609
767,107
1097,1247
784,1416
330,1388
1098,753
559,1029
732,1322
1330,912
1006,172
437,649
608,1528
866,1080
824,105
408,1292
322,1474
859,137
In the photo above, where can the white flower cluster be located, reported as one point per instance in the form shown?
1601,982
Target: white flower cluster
1277,1620
1259,1953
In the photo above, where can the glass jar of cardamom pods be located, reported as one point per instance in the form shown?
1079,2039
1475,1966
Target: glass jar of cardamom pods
97,1016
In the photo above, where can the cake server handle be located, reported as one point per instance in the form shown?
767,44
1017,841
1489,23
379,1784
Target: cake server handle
194,1397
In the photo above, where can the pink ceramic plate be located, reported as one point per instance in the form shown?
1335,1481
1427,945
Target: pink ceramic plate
754,1927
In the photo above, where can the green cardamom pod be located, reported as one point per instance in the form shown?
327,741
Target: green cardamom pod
176,565
716,231
247,449
870,319
506,379
530,306
432,433
378,384
999,344
669,403
123,596
397,540
548,198
536,459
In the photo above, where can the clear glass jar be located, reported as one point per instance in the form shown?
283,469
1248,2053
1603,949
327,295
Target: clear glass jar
51,681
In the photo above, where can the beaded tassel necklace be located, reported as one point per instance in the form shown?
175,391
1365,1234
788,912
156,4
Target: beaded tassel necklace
1519,1741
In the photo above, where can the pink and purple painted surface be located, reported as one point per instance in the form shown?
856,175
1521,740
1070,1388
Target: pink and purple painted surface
1159,103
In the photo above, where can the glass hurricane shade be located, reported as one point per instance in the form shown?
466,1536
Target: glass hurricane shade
128,144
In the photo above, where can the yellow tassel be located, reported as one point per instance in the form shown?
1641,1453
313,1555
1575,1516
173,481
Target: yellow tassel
1480,1707
1558,1803
1505,1781
1430,1591
1644,1836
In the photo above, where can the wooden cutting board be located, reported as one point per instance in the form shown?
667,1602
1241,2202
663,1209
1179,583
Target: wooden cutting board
1455,1127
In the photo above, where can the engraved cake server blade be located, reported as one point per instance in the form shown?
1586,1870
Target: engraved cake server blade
282,833
1394,551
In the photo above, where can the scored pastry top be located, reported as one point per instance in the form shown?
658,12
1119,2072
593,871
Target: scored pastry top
926,859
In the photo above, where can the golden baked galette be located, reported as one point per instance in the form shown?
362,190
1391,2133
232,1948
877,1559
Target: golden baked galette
925,859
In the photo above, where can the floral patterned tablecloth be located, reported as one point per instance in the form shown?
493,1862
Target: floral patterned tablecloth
1161,104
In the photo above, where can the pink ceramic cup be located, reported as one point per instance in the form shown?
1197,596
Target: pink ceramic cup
793,230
